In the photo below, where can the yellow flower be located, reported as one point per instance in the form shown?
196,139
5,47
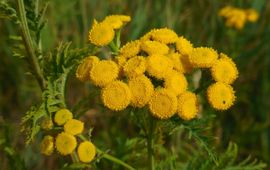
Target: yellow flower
203,57
47,123
47,145
187,105
135,66
116,21
130,49
116,96
225,11
163,104
220,96
65,143
74,127
141,90
177,63
101,34
236,19
62,116
159,66
154,47
164,35
224,70
176,82
184,46
104,72
147,36
252,15
86,151
84,68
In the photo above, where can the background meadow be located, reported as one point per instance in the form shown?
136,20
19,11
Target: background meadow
247,123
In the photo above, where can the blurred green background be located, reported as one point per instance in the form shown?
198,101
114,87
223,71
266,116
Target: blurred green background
247,123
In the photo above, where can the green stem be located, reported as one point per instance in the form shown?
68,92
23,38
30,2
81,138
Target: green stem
114,48
109,157
31,58
150,144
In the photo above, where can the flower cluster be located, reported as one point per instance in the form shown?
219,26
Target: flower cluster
65,141
237,17
151,72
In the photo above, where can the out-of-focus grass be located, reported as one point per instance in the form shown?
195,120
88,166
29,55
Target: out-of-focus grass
247,123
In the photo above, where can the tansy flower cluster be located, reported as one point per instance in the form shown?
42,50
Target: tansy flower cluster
237,17
65,142
151,72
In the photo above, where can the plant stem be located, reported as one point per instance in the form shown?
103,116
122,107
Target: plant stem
31,58
150,144
109,157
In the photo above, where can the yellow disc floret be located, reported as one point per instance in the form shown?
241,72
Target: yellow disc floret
74,127
104,72
130,49
159,66
220,96
101,34
187,105
184,46
154,47
164,35
84,68
86,151
62,116
116,96
176,82
224,70
203,57
141,90
65,143
163,104
135,66
47,145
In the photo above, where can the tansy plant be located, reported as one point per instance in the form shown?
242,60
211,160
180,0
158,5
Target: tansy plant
151,79
237,17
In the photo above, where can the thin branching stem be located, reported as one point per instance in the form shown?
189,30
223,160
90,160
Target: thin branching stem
31,58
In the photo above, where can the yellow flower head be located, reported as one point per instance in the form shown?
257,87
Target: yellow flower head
86,151
163,104
225,11
141,90
84,68
47,123
184,46
236,19
203,57
224,70
116,96
147,36
65,143
176,82
220,96
177,63
252,15
164,35
101,34
187,105
130,49
135,66
154,47
74,127
104,72
114,21
47,145
62,116
159,66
